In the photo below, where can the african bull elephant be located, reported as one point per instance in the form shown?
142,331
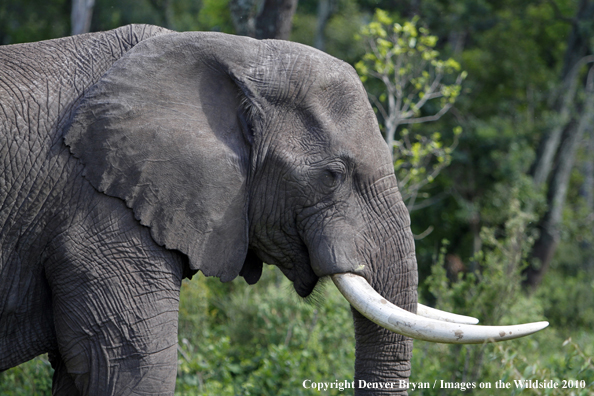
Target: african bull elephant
135,157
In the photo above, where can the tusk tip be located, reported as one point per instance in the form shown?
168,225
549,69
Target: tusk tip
543,324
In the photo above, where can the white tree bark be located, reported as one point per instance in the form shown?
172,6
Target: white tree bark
545,246
82,11
263,19
569,86
325,11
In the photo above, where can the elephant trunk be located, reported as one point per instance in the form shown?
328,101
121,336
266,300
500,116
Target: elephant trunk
384,301
382,363
382,359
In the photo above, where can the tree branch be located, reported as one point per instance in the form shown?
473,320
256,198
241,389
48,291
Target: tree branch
423,234
429,201
434,117
378,105
432,91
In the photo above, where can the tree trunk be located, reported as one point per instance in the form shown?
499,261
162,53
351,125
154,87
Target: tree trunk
560,144
325,10
263,19
80,17
580,36
545,246
163,7
577,49
243,15
276,19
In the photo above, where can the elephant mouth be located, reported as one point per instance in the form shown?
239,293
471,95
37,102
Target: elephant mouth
428,324
303,278
305,287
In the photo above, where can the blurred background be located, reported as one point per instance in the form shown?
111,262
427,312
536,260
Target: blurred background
488,106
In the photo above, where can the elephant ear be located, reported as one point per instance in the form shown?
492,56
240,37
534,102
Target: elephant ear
161,131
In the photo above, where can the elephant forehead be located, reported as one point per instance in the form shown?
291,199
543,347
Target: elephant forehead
318,139
287,70
343,110
354,132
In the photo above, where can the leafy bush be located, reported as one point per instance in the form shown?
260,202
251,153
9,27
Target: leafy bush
567,299
493,293
263,339
33,378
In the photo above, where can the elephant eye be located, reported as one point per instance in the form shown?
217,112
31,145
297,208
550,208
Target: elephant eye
331,178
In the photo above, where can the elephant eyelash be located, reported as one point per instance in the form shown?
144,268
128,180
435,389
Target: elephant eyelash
338,168
246,114
249,110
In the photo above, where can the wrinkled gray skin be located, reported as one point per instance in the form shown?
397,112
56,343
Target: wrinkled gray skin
135,157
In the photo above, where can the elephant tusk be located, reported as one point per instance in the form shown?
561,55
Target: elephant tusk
374,307
444,316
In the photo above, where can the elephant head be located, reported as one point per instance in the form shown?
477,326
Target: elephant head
235,151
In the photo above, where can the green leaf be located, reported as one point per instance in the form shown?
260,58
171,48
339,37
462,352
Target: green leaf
383,17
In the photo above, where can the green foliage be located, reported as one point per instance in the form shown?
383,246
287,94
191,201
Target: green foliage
214,15
568,289
304,27
399,49
342,25
181,15
261,340
33,378
33,20
493,293
572,367
513,52
418,160
403,57
567,299
542,356
494,284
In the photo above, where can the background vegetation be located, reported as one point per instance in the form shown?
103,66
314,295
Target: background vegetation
500,187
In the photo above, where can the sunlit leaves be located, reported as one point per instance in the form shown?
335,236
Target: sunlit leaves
403,57
419,159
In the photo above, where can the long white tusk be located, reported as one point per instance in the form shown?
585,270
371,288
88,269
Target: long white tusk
436,314
380,311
